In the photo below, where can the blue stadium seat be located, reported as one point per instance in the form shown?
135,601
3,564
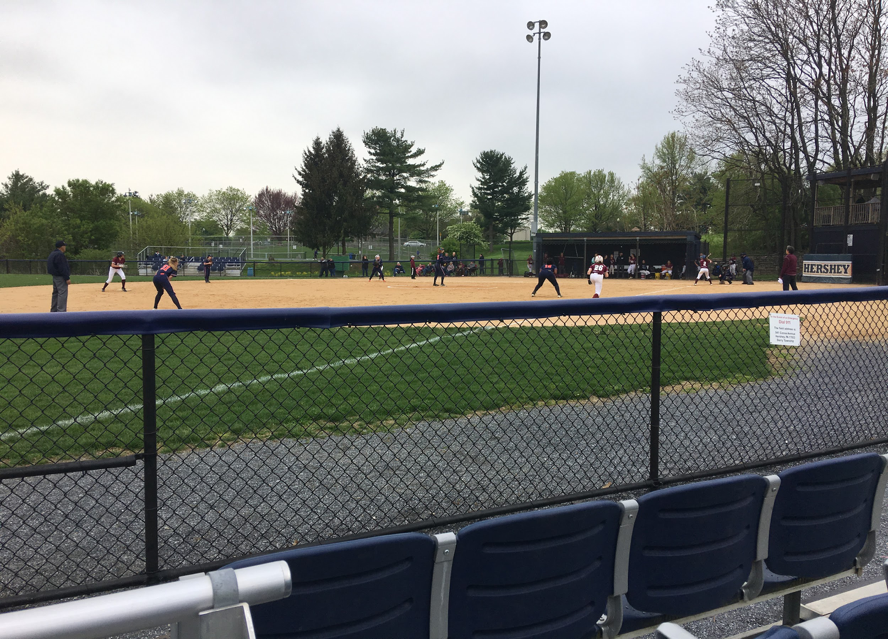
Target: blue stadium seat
376,588
549,573
698,547
863,619
825,519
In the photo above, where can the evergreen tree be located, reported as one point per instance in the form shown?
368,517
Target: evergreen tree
332,207
501,196
21,191
396,178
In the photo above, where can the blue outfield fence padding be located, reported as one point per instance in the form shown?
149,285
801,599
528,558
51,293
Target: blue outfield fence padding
157,322
139,446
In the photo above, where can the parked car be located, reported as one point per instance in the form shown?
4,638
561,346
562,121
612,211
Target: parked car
416,243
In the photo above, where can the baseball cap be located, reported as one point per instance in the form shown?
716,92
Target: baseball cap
60,244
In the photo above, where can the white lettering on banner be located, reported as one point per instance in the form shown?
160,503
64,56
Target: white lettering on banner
786,330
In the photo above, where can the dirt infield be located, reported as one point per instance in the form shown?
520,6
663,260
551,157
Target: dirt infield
303,293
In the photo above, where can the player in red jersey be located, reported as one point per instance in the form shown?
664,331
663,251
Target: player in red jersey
703,265
597,272
117,264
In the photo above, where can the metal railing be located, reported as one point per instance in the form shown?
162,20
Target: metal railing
835,215
138,447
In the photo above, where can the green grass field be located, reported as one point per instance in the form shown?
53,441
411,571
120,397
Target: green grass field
216,388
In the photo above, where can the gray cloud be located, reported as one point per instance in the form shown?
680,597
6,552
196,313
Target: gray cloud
202,95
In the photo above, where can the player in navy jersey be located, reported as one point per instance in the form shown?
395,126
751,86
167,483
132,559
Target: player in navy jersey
377,269
703,265
547,272
440,267
597,273
162,281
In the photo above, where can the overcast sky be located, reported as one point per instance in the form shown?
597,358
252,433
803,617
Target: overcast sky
156,95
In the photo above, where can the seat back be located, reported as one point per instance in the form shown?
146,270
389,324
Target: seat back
375,588
823,515
863,619
540,574
694,546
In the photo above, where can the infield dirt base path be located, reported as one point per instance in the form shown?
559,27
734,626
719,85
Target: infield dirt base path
303,293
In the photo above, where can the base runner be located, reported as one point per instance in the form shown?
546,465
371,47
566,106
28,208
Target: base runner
117,264
597,273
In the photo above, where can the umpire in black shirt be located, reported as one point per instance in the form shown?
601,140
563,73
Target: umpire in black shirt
57,266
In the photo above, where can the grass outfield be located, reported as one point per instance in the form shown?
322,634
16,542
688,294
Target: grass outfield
66,399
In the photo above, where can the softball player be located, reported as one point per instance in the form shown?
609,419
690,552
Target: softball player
377,269
547,272
117,263
440,267
703,265
162,281
597,273
208,266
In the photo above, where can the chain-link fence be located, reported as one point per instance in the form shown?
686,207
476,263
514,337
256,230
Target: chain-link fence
141,447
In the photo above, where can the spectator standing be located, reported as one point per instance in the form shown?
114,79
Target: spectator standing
57,266
481,264
323,264
365,263
331,267
748,268
499,264
412,268
789,270
562,268
208,266
530,263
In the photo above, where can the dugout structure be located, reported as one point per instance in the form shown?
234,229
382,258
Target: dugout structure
655,247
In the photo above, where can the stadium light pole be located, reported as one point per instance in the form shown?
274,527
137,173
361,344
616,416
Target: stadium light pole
289,215
129,195
540,36
250,208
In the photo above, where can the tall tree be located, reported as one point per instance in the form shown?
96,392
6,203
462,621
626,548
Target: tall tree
501,197
276,208
790,87
561,202
439,208
22,191
183,205
395,176
670,173
332,206
604,198
91,214
227,207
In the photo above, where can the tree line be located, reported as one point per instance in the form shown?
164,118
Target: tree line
785,89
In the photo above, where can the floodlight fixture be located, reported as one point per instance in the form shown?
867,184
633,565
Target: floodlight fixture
530,25
546,35
543,24
529,38
542,35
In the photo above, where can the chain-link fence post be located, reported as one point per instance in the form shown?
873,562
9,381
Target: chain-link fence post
655,398
149,454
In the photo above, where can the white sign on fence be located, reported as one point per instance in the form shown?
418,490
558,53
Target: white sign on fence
785,330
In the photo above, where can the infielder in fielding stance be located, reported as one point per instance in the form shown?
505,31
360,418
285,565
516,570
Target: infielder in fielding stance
597,273
117,264
547,272
162,281
703,265
377,269
208,266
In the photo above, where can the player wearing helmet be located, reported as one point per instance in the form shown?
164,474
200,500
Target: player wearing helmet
117,264
377,269
597,272
703,265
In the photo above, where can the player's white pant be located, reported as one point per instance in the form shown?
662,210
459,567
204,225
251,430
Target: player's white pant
704,272
112,271
631,270
597,279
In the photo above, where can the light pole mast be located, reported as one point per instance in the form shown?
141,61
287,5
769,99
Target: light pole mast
129,196
540,36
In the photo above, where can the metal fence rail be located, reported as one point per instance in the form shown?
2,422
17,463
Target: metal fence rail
136,446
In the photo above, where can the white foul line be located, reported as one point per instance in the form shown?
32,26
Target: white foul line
84,420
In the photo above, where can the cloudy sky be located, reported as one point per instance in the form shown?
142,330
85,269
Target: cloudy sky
155,95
